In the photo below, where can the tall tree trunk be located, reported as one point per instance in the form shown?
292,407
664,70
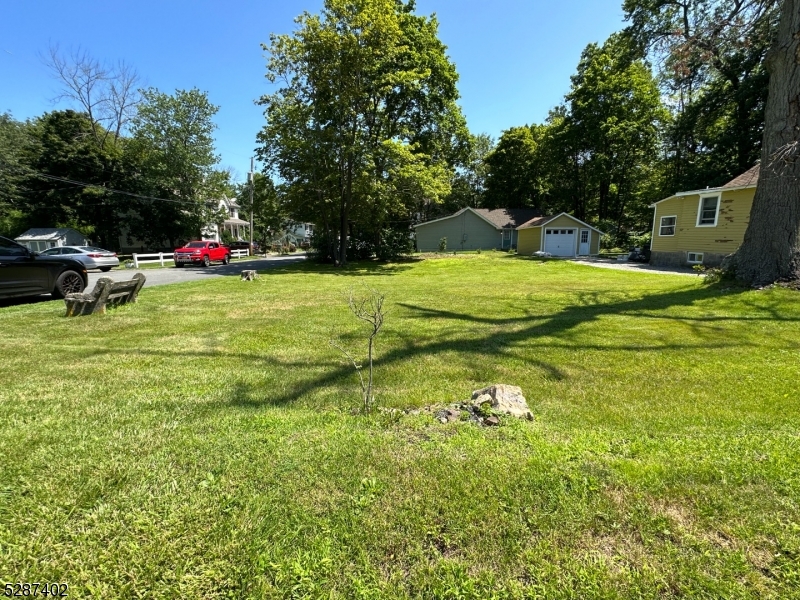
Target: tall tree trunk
771,247
344,214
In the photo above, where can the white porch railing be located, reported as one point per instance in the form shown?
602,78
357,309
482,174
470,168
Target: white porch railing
161,257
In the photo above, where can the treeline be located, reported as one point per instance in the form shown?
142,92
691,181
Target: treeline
628,134
365,136
125,162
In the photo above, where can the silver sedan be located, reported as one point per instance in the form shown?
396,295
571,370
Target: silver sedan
92,257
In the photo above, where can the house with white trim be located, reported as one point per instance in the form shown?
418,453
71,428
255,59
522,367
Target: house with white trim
559,235
236,226
474,229
701,227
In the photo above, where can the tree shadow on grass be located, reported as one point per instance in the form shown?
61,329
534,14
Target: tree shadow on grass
501,338
507,334
365,267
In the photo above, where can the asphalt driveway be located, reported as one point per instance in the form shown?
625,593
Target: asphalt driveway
167,275
604,263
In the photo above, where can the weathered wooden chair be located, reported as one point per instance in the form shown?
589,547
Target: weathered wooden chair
106,292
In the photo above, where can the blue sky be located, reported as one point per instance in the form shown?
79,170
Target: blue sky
514,57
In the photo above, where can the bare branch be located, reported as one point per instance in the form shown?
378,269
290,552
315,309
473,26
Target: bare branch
108,95
368,308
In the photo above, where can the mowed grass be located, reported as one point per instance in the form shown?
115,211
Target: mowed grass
202,443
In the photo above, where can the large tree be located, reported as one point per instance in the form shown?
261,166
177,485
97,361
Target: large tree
597,152
616,114
171,156
701,35
513,169
771,247
69,175
17,145
365,126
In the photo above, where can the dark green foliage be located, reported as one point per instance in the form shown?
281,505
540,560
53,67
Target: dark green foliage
66,149
514,175
367,127
711,62
269,214
597,155
468,186
172,145
395,244
16,147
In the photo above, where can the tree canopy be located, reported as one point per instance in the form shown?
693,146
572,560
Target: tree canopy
365,125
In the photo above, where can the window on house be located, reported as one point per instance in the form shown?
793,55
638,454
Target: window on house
667,226
694,258
584,236
707,213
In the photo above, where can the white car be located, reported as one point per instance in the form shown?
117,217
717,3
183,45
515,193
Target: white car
92,257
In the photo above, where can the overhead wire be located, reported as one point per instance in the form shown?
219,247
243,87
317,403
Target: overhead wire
103,188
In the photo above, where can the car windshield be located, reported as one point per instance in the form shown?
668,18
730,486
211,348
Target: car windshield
196,245
91,249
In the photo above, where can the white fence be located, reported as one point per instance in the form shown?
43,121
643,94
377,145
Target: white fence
161,257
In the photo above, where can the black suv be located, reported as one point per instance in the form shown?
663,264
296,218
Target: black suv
24,273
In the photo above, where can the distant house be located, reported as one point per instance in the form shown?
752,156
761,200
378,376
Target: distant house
703,226
473,229
300,233
42,238
558,235
237,227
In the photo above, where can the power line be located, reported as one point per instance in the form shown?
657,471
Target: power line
105,189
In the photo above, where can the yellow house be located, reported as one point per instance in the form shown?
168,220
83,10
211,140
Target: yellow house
702,226
559,235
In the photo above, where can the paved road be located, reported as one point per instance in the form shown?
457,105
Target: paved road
173,275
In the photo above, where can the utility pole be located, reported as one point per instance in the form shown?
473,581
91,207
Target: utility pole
252,179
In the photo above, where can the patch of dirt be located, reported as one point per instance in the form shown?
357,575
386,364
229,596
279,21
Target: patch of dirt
620,552
687,523
761,558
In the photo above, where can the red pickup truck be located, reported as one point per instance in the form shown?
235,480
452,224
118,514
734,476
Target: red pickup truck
203,253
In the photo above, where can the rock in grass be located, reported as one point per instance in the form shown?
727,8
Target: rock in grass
491,421
504,398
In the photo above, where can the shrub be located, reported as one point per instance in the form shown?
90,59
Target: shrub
443,244
395,243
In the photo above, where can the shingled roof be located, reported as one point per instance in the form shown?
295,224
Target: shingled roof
505,218
537,221
747,179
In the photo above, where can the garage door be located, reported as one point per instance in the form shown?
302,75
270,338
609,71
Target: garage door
560,242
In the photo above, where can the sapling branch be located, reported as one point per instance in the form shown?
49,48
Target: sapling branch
368,309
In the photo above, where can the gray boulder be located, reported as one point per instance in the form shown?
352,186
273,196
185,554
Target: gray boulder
505,399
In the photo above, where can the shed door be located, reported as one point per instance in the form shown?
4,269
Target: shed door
584,247
560,242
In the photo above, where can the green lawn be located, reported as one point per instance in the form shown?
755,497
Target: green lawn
201,443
